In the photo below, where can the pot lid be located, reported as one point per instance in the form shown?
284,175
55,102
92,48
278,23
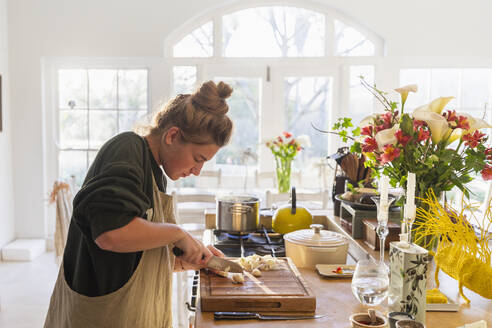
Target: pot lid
316,237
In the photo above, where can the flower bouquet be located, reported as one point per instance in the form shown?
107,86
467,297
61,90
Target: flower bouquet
442,147
285,148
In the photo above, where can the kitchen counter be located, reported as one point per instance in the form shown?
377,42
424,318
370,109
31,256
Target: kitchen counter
334,297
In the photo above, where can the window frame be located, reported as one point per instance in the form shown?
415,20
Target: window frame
329,62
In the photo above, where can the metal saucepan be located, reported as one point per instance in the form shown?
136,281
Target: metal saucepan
238,214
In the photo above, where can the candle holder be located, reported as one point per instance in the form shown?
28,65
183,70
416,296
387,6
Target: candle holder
382,228
408,219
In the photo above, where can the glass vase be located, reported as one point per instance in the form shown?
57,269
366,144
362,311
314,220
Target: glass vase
283,168
428,242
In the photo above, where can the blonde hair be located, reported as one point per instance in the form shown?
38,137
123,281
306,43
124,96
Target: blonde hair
201,116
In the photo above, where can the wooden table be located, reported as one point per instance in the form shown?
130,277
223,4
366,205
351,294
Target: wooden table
334,297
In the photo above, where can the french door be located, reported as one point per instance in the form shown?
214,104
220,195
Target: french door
271,98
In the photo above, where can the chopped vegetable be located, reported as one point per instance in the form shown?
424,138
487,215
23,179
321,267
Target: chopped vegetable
339,270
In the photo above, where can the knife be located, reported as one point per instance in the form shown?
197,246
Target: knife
253,315
216,263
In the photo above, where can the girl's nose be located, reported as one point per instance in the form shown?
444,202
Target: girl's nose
196,169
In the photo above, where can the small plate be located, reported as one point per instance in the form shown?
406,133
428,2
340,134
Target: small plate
327,270
450,306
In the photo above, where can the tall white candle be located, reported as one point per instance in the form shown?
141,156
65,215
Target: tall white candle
383,190
411,188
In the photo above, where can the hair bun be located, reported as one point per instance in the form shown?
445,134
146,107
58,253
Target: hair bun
224,90
211,97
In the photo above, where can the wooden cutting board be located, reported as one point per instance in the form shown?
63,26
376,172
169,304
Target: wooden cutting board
282,290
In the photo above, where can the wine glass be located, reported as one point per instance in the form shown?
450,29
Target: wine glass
370,282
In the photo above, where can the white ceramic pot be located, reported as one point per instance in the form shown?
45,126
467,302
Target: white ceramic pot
309,247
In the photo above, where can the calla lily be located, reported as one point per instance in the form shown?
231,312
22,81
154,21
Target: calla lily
436,122
455,135
475,123
386,137
438,104
403,91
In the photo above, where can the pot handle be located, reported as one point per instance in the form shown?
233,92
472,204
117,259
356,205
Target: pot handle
293,201
323,249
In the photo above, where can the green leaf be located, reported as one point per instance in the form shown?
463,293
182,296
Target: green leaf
406,124
356,132
356,148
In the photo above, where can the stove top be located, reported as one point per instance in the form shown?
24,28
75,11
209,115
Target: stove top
245,245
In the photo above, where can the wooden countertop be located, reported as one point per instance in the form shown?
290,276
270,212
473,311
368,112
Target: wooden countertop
334,297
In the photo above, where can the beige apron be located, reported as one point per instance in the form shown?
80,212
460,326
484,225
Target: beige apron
144,301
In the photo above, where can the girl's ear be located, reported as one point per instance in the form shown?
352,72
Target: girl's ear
171,135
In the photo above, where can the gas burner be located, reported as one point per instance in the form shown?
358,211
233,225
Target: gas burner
237,236
266,250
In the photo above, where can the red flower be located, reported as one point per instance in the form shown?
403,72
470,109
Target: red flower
450,116
402,139
463,123
292,142
287,134
472,140
367,130
423,135
279,138
487,172
488,153
369,145
389,154
380,127
418,124
387,118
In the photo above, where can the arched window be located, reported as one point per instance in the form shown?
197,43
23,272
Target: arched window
291,66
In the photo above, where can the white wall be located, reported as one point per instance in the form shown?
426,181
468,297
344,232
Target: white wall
129,28
7,231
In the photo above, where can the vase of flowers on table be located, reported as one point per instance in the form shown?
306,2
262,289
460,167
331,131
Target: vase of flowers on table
444,148
284,149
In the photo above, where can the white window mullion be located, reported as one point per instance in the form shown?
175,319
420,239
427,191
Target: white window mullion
329,35
217,37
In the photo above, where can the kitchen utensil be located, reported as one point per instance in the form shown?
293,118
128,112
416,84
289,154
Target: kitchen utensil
372,315
216,263
308,247
362,320
253,315
291,217
280,290
238,214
